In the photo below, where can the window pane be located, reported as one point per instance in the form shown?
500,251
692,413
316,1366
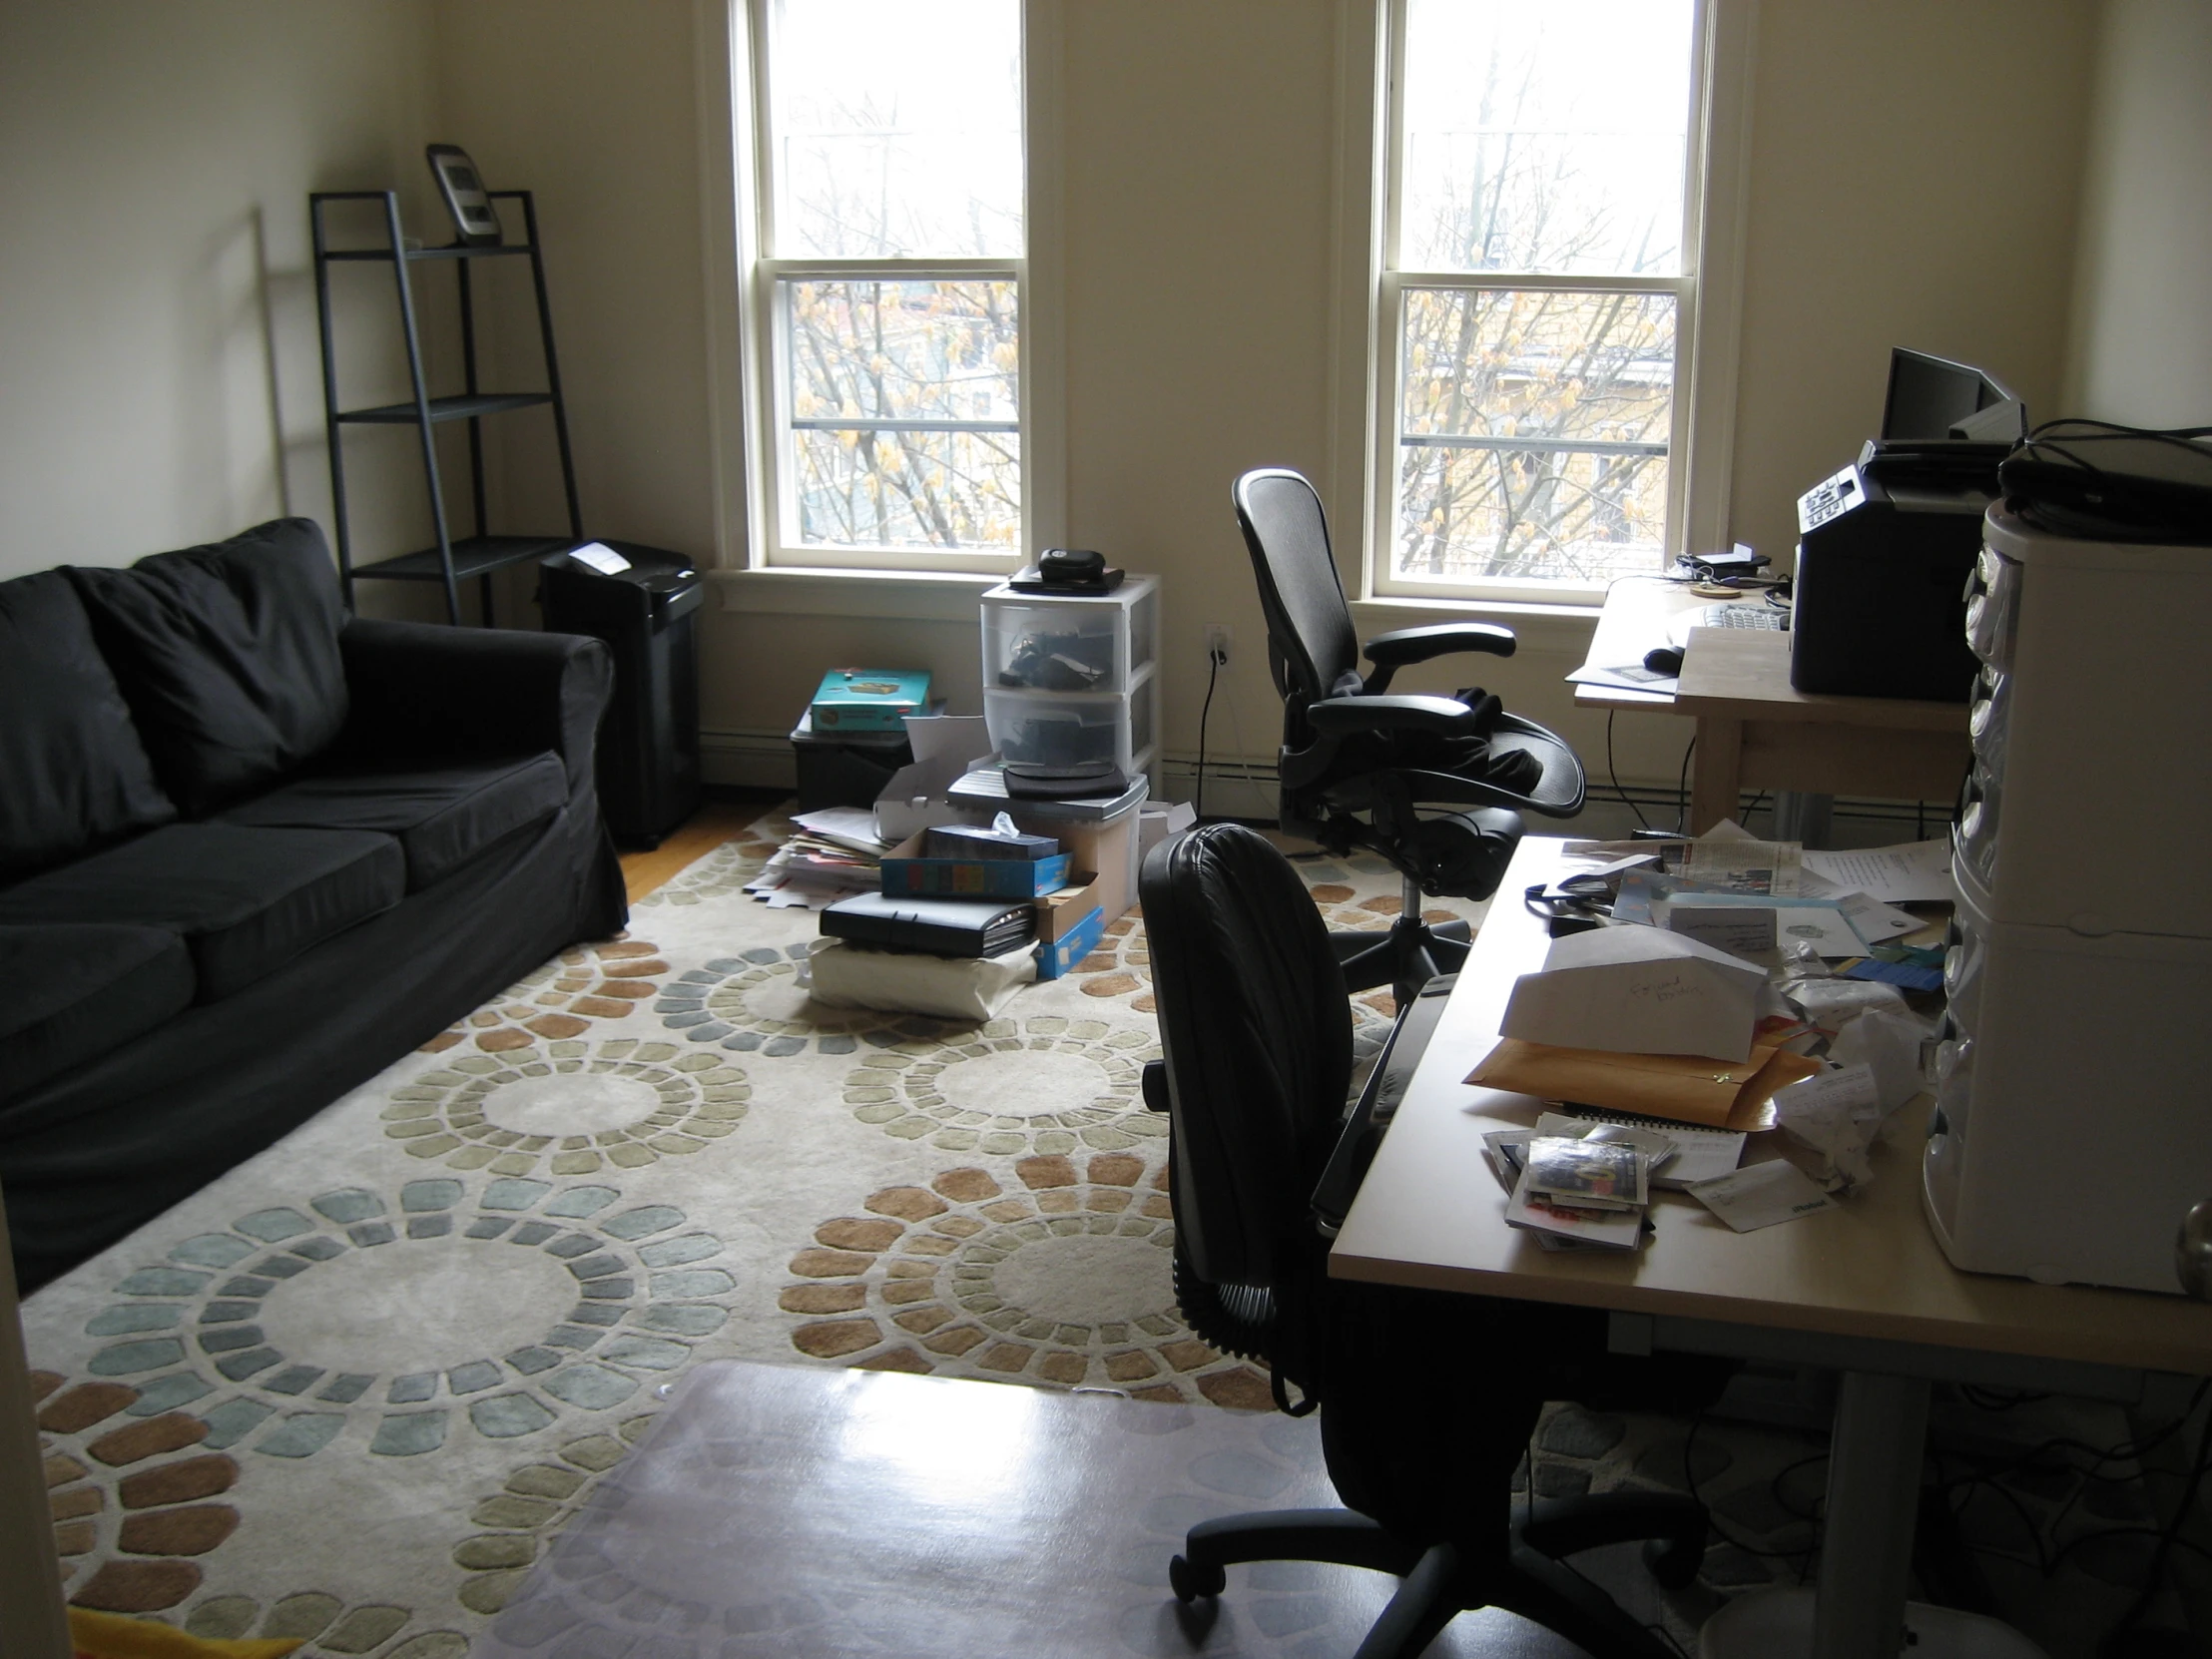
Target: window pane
897,129
1532,435
1544,137
905,415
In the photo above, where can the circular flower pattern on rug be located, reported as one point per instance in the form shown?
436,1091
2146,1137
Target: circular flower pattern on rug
1063,1280
753,1003
414,1321
325,1619
535,1501
570,1108
1009,1087
726,869
132,1490
586,982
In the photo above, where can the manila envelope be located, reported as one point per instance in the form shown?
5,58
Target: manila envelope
1686,1088
1638,990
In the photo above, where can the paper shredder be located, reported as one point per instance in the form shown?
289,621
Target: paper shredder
649,742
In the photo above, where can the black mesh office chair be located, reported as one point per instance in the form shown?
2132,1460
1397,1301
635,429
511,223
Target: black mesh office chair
1357,764
1427,1399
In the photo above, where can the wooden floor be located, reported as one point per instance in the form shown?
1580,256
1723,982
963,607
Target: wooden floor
715,822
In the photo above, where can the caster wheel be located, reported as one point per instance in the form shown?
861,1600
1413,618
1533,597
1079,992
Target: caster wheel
1190,1581
1673,1563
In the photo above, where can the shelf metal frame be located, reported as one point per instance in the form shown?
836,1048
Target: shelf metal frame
452,559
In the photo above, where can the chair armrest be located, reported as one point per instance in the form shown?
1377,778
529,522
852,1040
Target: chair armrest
1393,651
1442,715
424,690
1440,638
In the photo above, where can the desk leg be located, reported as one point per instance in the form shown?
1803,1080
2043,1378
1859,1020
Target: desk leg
1716,772
1874,1481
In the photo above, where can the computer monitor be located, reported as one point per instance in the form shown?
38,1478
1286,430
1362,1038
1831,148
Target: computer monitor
1932,399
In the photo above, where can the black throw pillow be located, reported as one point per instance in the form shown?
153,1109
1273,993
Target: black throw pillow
73,774
229,657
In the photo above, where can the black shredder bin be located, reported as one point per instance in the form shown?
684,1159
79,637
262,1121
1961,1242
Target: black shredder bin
649,743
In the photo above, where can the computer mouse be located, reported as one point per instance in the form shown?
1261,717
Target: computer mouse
1666,659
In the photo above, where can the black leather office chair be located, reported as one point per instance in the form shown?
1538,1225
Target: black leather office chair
1427,1399
1356,762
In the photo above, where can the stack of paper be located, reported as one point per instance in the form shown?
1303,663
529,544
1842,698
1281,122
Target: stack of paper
1577,1184
833,854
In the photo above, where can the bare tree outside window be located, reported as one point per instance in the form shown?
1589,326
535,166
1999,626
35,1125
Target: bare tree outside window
1541,161
895,191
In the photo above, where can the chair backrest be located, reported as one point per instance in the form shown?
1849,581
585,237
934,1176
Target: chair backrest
1256,1033
1309,623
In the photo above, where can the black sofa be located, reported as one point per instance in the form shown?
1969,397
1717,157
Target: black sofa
251,851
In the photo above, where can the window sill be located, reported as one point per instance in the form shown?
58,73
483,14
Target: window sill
1562,628
898,595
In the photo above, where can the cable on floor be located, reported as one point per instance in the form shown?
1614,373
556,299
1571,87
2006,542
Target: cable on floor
1205,712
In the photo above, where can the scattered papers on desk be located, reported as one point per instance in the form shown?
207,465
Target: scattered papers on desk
1835,1115
1911,872
1723,860
1692,1155
1628,676
1762,1195
1638,990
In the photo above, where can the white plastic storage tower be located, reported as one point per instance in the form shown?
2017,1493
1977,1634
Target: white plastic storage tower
2073,1121
1072,679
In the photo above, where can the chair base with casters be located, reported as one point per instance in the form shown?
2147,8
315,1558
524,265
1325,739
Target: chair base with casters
1442,1581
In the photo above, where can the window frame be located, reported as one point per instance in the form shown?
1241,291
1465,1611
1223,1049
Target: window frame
1706,292
767,507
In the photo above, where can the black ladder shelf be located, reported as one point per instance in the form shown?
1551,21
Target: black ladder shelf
454,559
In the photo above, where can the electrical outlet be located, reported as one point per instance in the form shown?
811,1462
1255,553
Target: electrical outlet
1218,638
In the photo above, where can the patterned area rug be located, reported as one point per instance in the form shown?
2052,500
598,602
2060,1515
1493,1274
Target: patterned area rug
346,1392
350,1390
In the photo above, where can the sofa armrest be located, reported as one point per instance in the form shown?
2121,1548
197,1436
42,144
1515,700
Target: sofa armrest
421,689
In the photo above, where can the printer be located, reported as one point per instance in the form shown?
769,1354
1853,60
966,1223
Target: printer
1885,546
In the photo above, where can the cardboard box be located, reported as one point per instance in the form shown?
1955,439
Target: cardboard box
906,872
1059,911
1108,848
945,746
1158,819
1056,957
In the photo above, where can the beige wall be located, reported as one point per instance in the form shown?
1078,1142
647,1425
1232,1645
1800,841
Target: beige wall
1913,182
160,382
2142,322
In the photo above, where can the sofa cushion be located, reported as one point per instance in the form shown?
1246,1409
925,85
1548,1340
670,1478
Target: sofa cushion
443,815
73,774
77,989
229,657
246,899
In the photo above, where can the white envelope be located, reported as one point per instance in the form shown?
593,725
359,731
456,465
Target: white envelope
1638,990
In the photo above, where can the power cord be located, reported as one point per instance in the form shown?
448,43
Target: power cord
1682,792
1205,712
1613,773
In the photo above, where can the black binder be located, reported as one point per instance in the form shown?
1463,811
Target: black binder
940,926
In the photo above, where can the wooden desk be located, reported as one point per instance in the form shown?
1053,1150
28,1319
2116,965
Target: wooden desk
1863,1288
1754,731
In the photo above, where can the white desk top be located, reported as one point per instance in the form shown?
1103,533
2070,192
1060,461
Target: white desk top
1431,1214
1637,611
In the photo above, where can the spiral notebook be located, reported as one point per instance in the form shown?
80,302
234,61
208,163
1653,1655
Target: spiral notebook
1700,1154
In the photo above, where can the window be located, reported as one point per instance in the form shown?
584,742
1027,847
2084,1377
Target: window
1537,311
887,309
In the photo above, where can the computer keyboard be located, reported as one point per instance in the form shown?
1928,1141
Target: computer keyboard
1759,615
1755,613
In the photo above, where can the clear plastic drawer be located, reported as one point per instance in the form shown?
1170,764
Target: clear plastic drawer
1070,644
1987,720
1042,728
